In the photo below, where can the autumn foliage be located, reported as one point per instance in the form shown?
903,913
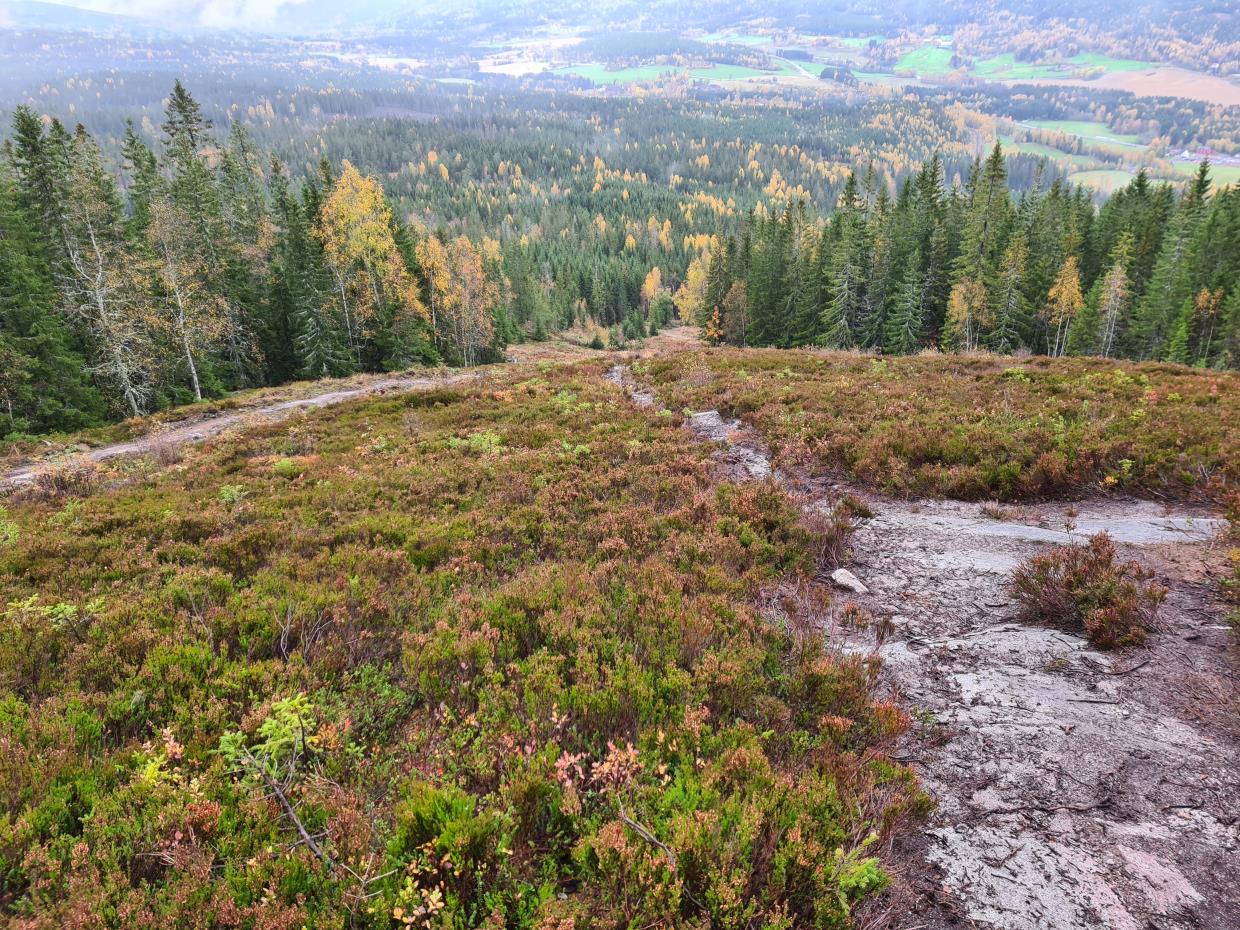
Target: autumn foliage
496,647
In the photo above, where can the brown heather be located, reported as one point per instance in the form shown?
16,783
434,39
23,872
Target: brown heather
503,666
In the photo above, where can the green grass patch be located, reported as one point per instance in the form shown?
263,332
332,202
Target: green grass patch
1006,67
859,41
927,61
1222,174
1083,162
1105,180
1086,130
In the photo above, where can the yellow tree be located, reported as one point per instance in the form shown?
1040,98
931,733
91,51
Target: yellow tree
433,260
356,228
968,313
651,286
471,299
691,295
1063,303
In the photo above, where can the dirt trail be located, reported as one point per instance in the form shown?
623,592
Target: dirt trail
194,429
1074,788
198,429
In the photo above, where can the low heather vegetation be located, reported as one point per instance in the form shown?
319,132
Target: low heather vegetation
483,656
975,427
1085,589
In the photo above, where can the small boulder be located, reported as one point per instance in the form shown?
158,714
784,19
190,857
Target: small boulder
845,579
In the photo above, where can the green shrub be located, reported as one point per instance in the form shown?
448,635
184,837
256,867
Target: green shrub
1084,588
537,610
8,529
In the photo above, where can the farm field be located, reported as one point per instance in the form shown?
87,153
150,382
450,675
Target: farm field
927,61
1007,68
1104,180
1222,174
1159,81
1086,130
1045,151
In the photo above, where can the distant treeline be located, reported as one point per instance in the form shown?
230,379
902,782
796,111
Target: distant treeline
1152,275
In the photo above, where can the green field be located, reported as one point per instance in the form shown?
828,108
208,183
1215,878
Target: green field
1222,175
1011,146
858,41
1107,63
1006,68
927,61
1086,130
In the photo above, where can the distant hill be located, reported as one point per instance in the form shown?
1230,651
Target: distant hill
31,14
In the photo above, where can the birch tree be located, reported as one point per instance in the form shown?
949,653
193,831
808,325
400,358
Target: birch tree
101,287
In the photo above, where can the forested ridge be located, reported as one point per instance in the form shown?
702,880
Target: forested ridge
1152,275
135,276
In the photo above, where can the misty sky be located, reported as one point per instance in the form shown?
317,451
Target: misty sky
242,14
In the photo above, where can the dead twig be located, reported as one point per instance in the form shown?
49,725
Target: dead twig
645,834
274,787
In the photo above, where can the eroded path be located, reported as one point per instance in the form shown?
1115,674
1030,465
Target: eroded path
194,429
1074,788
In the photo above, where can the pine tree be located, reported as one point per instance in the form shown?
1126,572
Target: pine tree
1171,282
1009,305
43,381
904,324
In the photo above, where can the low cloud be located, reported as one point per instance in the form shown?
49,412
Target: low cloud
230,14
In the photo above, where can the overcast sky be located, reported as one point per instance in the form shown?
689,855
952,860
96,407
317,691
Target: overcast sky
232,13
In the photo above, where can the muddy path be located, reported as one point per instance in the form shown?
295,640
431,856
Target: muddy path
199,429
1074,788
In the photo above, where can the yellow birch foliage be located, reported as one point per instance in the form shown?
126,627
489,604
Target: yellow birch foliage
356,229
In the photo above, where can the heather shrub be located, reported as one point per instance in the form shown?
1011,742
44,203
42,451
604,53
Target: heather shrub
1086,589
973,427
73,477
508,668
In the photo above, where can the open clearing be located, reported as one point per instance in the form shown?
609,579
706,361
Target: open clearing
1086,130
1159,82
927,61
1105,180
1074,789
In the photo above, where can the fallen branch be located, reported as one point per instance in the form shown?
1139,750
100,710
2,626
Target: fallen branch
645,834
1133,669
289,810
